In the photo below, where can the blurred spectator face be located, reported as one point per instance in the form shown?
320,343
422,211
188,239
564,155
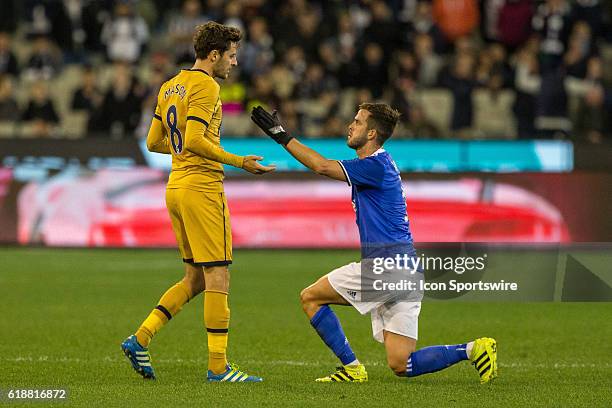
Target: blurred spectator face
327,53
191,8
258,29
345,25
594,68
307,23
122,77
6,88
406,61
263,85
314,73
233,9
40,92
5,41
294,56
496,82
373,54
423,11
497,53
464,66
123,9
41,45
380,11
89,78
580,39
423,45
363,95
556,4
464,45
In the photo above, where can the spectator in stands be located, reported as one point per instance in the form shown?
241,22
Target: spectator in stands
232,13
592,121
305,34
418,125
590,11
580,48
423,24
382,30
460,80
49,19
40,112
256,54
373,69
121,108
315,83
180,31
552,24
8,61
429,63
527,68
283,80
9,110
295,61
262,93
45,60
514,23
88,97
125,34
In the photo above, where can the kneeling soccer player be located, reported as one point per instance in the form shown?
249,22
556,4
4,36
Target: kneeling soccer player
380,206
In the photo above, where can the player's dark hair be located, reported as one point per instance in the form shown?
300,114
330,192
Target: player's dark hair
383,119
214,36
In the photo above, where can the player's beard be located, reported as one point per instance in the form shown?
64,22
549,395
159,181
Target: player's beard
357,141
220,70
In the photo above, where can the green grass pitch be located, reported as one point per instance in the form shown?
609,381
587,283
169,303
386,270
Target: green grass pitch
65,312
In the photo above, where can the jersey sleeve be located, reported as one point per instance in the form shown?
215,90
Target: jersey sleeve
202,102
156,138
363,172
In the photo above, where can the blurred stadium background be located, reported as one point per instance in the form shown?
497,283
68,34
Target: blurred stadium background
491,93
505,138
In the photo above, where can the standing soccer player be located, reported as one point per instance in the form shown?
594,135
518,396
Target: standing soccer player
187,124
384,232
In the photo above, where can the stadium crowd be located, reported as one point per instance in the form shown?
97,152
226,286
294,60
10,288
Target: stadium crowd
454,68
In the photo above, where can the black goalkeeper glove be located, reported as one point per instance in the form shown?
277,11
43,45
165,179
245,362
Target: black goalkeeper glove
271,125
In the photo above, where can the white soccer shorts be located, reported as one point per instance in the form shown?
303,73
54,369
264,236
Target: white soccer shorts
400,317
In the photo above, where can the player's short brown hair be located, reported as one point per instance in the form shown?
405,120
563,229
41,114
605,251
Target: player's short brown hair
214,36
383,119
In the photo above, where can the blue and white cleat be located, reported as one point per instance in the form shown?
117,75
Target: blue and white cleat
139,357
232,374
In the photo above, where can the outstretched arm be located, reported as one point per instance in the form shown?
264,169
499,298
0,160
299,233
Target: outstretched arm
271,125
314,161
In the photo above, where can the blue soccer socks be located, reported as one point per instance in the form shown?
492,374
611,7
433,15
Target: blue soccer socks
434,358
326,323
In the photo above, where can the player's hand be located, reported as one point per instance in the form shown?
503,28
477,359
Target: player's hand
271,125
251,165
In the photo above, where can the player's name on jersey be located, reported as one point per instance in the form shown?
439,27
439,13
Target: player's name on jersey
452,285
178,89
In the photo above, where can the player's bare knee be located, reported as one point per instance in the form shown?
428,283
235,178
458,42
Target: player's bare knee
308,300
398,366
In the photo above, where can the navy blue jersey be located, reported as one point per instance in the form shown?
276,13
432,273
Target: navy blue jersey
380,205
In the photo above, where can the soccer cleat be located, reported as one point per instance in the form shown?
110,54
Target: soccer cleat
347,373
139,357
484,358
232,374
